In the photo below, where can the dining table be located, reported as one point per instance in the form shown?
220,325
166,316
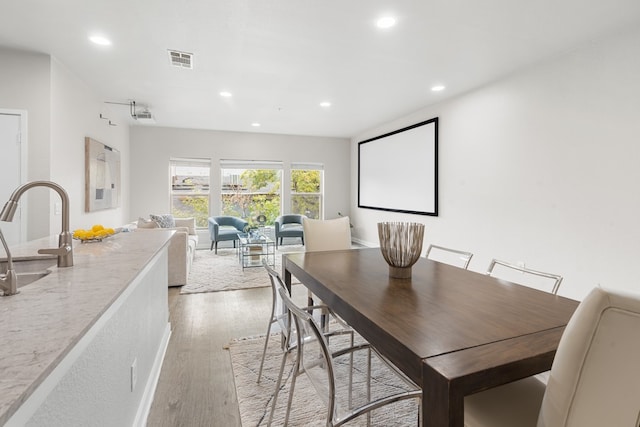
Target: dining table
452,331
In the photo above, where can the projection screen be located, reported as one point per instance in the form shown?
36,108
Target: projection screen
398,171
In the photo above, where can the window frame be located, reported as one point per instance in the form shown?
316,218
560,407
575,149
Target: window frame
306,166
202,191
244,165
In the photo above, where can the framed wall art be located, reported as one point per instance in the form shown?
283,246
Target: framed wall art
102,176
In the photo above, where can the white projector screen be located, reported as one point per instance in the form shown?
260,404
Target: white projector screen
398,171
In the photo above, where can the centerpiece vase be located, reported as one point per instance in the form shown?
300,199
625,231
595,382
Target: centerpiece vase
401,246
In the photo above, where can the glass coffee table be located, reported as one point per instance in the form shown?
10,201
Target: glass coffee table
253,249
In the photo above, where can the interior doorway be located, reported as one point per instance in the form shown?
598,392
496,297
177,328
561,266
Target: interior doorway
13,170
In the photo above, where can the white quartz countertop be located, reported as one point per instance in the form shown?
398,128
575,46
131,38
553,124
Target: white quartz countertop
41,324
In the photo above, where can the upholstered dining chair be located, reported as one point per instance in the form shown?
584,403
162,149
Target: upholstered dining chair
524,276
326,235
595,376
289,226
450,256
323,367
281,318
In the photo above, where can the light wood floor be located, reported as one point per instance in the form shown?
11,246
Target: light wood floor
196,386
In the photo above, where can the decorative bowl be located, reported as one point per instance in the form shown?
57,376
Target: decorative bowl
401,246
95,234
90,240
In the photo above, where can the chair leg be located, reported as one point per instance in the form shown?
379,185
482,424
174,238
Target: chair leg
216,247
302,238
212,242
351,372
369,383
278,386
296,371
309,298
266,343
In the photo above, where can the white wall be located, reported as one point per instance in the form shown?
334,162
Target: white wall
25,85
540,167
61,111
75,114
152,147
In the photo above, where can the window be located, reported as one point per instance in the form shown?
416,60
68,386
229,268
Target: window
306,189
251,188
190,189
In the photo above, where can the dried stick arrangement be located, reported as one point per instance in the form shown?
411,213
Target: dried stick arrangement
401,246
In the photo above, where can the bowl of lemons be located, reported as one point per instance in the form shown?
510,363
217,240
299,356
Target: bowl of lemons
95,234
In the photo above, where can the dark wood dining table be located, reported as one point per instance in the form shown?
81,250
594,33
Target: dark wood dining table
454,332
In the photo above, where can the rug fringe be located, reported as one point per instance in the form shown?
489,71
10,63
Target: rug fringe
247,338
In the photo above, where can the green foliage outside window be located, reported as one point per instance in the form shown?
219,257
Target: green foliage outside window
190,189
306,192
192,206
257,194
305,181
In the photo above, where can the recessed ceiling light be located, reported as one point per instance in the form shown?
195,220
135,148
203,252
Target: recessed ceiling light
437,88
325,104
386,22
225,94
255,125
100,40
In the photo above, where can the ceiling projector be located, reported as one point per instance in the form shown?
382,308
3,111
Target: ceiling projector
143,115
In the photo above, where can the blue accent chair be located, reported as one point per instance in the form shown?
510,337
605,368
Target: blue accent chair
289,226
223,228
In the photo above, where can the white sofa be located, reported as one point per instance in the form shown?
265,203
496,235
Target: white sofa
182,247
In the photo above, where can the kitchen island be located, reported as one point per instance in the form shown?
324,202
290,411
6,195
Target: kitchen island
84,344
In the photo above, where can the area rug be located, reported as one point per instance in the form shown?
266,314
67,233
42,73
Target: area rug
211,272
254,399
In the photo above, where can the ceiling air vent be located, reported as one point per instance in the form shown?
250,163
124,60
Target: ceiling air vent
181,59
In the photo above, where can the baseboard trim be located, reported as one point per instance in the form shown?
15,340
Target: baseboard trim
364,243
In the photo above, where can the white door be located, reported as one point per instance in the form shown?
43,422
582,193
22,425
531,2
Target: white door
10,171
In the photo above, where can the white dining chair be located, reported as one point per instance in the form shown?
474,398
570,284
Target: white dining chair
548,282
326,235
449,256
594,380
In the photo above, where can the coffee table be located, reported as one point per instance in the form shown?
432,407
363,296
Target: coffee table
252,250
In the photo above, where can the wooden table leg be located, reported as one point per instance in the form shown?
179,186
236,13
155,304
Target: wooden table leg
442,404
287,278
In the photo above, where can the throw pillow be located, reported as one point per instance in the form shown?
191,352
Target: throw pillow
147,223
164,221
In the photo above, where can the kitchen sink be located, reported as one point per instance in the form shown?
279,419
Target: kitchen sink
30,269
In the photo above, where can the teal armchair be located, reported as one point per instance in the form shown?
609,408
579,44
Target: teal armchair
225,228
289,226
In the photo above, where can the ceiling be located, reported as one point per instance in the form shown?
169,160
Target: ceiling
281,58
